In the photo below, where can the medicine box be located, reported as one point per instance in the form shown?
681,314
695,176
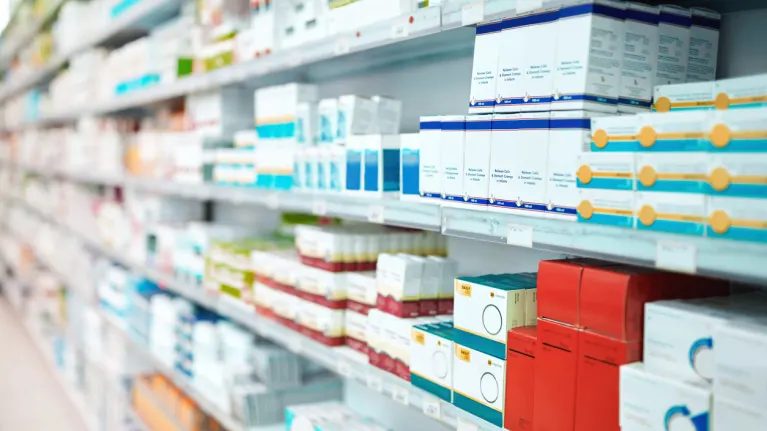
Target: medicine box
559,286
640,57
674,131
355,153
528,144
476,163
430,172
431,359
355,330
738,175
616,133
597,386
569,136
606,170
539,56
361,291
589,50
737,218
398,283
704,44
520,378
683,213
451,145
607,207
479,383
510,88
445,288
483,78
556,362
673,44
672,172
388,115
356,116
745,92
652,402
679,339
731,415
742,130
410,151
381,165
486,307
738,370
691,96
328,112
500,189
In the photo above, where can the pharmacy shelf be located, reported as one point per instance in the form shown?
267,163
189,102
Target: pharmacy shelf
12,47
333,359
143,15
735,260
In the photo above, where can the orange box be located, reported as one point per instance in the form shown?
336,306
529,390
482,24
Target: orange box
556,365
559,285
597,389
520,378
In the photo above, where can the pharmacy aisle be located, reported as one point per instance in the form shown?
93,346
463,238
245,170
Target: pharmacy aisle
377,215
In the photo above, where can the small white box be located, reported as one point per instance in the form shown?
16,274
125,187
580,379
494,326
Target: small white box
479,382
674,131
328,112
361,288
356,326
738,175
569,136
355,151
336,169
485,67
476,161
737,218
356,116
451,146
589,51
739,375
306,123
399,277
607,207
745,92
430,171
388,115
381,164
649,402
732,415
704,44
671,212
618,133
672,172
673,45
640,57
682,97
738,130
410,164
431,359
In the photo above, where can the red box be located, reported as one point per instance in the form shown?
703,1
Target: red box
556,364
597,393
520,378
559,284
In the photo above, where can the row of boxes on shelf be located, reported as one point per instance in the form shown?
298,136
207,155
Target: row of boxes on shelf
162,405
733,93
696,172
592,54
327,416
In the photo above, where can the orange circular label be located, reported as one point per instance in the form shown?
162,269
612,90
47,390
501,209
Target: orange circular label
647,215
663,104
720,179
648,176
647,136
722,101
720,222
720,136
584,174
585,209
600,138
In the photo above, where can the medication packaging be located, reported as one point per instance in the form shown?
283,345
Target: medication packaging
672,172
738,175
613,171
673,45
608,207
737,218
640,57
618,133
738,131
671,212
451,146
476,163
684,97
673,131
739,373
410,165
745,92
589,51
704,45
381,164
356,116
539,59
569,136
431,359
479,381
328,112
509,78
430,172
483,79
355,150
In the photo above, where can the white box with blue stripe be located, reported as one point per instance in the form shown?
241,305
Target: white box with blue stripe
430,170
476,161
484,69
640,57
673,44
569,136
451,146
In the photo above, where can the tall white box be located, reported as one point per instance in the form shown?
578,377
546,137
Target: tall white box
569,136
476,161
530,149
739,362
589,51
500,190
451,146
510,90
539,58
483,77
410,165
704,45
640,57
673,45
430,171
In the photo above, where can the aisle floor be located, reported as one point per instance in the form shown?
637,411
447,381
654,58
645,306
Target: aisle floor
30,397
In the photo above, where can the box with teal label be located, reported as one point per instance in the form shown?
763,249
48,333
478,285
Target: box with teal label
606,207
611,171
683,213
672,172
738,175
740,219
381,164
431,359
410,164
738,130
355,148
479,383
744,92
616,133
674,131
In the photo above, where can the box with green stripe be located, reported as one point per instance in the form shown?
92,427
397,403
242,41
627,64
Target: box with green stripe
431,359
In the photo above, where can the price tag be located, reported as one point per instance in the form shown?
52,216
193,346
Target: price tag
473,13
431,408
343,46
376,214
319,208
676,256
400,30
464,425
519,235
273,201
344,369
375,383
400,395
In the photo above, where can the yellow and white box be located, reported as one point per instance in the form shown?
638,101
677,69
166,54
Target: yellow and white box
739,376
430,170
569,137
649,402
672,172
476,161
692,96
539,59
613,171
671,212
617,133
510,90
607,207
742,219
742,130
738,175
640,57
431,359
745,92
589,50
529,142
673,44
485,67
704,44
452,144
479,381
674,131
